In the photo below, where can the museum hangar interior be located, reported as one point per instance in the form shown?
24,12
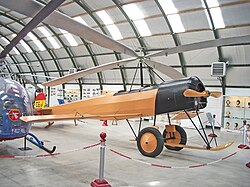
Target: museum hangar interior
124,93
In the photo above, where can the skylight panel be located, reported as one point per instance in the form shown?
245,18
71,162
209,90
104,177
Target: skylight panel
168,6
27,48
133,11
69,38
113,29
176,23
142,27
7,42
212,3
115,32
105,17
24,44
49,37
80,20
217,17
36,41
216,14
172,15
137,16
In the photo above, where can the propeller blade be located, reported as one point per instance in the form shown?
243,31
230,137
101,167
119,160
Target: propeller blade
64,22
194,93
205,93
203,45
38,18
215,94
166,70
88,71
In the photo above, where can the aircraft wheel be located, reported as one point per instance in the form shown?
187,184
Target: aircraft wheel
179,137
150,142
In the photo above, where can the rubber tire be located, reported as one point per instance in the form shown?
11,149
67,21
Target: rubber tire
183,141
160,142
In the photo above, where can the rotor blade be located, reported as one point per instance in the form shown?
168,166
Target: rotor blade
166,70
88,71
64,22
28,81
44,76
38,18
203,45
205,93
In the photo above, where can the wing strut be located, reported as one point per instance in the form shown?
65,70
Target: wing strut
205,139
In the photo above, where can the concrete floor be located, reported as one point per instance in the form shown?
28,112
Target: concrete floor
80,168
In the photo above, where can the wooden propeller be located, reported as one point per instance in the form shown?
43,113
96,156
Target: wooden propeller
205,93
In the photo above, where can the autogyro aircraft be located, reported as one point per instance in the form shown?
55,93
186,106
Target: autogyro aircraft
181,94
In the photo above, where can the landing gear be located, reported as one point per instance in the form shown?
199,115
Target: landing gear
174,135
150,142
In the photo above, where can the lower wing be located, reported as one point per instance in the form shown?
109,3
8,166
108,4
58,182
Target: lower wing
43,118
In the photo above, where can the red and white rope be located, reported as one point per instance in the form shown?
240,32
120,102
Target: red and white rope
49,155
175,167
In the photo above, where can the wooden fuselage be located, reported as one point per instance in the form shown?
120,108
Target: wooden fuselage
148,101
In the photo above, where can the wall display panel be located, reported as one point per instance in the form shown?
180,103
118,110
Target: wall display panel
237,109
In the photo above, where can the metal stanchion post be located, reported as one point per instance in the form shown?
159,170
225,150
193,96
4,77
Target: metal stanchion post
213,135
101,182
244,145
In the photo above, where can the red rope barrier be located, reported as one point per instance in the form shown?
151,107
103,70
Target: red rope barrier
48,155
174,167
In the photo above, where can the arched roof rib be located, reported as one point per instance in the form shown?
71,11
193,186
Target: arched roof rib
34,52
196,30
22,55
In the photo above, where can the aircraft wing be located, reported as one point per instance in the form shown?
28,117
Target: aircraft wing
43,118
183,115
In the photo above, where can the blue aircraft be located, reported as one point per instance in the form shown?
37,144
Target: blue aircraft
14,103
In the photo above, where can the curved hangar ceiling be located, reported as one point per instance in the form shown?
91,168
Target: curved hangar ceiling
138,28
